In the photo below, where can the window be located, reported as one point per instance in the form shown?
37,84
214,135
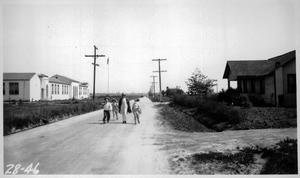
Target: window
67,89
3,88
262,86
291,82
239,83
57,89
245,86
80,90
13,88
52,89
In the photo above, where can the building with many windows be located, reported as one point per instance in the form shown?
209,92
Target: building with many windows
272,80
63,87
33,87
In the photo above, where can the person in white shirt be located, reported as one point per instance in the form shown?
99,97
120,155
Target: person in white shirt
136,110
107,108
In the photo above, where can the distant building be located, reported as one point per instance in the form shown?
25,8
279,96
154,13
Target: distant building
33,87
21,86
63,88
83,90
44,83
272,80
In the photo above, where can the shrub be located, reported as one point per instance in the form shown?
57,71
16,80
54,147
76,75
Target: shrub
230,96
246,103
186,101
215,113
282,158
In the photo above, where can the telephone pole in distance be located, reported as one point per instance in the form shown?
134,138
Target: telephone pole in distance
153,83
160,71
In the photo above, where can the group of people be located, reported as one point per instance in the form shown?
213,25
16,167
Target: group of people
122,107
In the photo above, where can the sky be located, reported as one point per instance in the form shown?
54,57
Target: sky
53,37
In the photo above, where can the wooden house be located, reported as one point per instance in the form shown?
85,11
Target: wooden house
272,80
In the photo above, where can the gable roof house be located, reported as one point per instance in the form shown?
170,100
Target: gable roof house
272,80
63,87
21,86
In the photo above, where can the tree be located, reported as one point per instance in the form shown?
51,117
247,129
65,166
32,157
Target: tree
198,84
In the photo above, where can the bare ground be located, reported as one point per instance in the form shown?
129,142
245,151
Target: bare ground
180,146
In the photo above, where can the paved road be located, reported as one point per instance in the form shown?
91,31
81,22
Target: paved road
83,145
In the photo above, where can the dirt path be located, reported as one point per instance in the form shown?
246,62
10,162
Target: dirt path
83,145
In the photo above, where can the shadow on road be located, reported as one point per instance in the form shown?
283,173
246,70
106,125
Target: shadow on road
101,123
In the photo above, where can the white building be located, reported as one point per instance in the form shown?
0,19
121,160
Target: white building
44,83
21,86
33,87
83,90
63,87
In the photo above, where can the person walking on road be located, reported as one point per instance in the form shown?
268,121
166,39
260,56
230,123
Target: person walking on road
136,110
115,109
107,108
124,107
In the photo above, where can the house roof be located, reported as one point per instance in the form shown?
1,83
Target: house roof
17,76
83,84
281,60
61,79
42,75
256,67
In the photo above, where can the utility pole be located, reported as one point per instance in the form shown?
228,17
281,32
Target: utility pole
108,76
160,71
153,83
95,56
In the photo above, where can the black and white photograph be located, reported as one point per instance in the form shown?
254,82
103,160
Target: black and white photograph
149,88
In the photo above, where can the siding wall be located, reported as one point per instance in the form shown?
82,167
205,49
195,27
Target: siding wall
74,93
59,96
82,95
289,98
35,88
269,90
23,91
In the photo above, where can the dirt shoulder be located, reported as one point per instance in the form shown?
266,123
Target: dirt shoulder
179,145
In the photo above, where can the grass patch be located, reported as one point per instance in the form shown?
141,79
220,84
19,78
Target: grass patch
29,115
280,158
180,121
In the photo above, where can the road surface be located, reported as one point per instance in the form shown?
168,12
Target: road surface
83,145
